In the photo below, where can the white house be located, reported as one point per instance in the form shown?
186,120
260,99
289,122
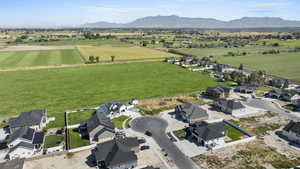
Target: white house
292,131
22,150
111,108
209,135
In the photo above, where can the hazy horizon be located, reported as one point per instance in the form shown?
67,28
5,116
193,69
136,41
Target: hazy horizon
54,13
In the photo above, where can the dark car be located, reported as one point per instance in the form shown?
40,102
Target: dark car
141,141
148,133
144,148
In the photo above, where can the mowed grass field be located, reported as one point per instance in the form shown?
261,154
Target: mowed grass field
289,43
224,51
39,58
286,65
80,42
63,89
121,53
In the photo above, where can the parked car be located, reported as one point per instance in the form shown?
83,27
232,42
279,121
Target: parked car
171,137
144,148
142,141
148,133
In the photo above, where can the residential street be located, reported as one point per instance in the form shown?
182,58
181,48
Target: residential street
157,127
268,105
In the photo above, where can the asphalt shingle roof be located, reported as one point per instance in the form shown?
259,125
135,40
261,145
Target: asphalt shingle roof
209,131
234,105
30,118
293,127
24,132
192,110
22,144
38,138
116,151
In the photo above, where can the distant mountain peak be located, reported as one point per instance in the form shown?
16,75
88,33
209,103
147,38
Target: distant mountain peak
174,21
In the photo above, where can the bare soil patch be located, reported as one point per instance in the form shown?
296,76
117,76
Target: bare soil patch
29,48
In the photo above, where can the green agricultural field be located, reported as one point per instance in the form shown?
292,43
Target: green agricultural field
70,88
289,43
121,53
39,58
224,51
80,42
286,65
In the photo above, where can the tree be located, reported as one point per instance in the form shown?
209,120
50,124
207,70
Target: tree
241,67
97,59
91,59
112,58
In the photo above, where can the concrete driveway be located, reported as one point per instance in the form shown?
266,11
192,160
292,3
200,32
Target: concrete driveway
157,127
270,106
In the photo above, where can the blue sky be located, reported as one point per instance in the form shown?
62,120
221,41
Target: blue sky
74,12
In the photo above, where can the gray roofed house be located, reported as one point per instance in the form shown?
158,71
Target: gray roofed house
12,164
191,112
292,131
97,128
24,133
208,135
218,92
285,95
35,118
117,154
230,106
111,108
21,150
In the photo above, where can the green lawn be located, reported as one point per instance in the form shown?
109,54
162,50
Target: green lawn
76,118
80,42
2,125
59,120
223,51
53,141
70,88
286,65
39,58
118,121
76,140
180,134
233,133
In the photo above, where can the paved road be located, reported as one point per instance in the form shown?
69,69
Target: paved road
268,105
157,127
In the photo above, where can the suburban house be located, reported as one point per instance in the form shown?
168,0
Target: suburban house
186,59
223,68
24,142
111,108
98,128
296,103
292,131
207,64
286,95
208,135
279,83
230,106
218,92
12,164
191,112
119,153
170,59
36,119
246,88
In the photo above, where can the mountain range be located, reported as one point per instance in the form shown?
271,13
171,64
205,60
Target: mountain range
174,21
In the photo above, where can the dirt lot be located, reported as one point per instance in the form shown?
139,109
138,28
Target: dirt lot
28,48
157,105
267,152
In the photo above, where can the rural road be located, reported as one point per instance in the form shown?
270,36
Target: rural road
157,127
268,105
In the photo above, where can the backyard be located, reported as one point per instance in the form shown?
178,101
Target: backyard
76,118
75,140
53,141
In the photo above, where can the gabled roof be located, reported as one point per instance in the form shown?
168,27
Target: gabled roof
96,121
209,131
219,89
23,133
293,127
38,138
117,151
30,118
192,110
25,145
110,106
234,105
12,164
